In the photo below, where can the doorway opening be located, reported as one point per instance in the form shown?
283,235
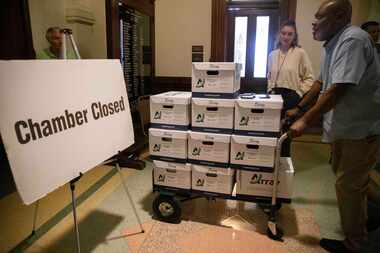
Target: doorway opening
251,36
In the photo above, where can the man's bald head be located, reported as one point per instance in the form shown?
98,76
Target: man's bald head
331,17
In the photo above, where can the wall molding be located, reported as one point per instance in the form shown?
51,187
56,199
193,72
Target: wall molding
170,83
288,10
76,14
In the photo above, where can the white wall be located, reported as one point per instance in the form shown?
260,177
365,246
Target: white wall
44,14
179,24
360,11
90,38
304,17
374,10
93,39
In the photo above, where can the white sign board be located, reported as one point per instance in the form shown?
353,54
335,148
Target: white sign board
60,118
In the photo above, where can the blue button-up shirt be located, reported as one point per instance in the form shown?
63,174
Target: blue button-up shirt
350,58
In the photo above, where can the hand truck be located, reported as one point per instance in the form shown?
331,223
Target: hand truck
167,204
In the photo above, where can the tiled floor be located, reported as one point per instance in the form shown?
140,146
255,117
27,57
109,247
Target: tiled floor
106,216
241,230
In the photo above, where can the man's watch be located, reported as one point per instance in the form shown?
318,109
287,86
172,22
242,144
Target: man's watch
300,108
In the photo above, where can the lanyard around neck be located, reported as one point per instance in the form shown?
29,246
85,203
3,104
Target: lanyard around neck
280,66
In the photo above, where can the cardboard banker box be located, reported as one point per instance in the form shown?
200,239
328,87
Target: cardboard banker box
258,115
260,182
212,115
177,175
216,79
170,110
168,145
212,179
209,149
250,151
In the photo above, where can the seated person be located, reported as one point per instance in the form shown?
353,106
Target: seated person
54,37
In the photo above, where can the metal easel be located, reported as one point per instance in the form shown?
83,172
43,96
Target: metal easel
67,34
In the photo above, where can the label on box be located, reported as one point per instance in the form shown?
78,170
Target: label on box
212,82
262,156
258,120
212,113
252,151
260,114
212,179
215,151
213,77
175,175
173,114
167,143
260,183
209,148
170,110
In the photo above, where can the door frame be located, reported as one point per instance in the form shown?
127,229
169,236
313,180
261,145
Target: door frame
219,22
259,83
113,25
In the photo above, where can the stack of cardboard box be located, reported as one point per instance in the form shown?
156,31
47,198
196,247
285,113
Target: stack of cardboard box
199,139
256,131
214,89
253,145
168,137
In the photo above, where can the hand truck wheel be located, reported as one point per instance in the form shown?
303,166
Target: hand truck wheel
167,208
267,206
277,234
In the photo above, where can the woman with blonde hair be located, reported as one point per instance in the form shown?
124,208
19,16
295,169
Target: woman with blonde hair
290,73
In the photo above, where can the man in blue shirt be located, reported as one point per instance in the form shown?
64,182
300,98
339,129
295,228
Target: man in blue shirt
350,85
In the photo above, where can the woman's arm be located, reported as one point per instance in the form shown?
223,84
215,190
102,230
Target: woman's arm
270,75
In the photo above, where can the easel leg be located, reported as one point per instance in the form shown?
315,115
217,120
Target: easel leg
74,204
35,217
129,197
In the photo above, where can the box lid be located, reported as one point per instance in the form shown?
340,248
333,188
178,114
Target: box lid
253,140
217,66
263,101
168,133
209,102
224,138
213,170
173,166
172,97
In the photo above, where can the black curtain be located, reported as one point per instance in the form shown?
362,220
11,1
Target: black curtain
15,43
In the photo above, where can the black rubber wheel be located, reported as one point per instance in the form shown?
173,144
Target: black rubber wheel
167,208
278,236
266,207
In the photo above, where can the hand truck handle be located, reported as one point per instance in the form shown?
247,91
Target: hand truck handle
277,157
